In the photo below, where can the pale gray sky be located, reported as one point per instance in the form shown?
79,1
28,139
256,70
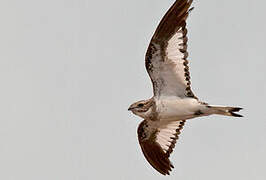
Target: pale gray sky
69,69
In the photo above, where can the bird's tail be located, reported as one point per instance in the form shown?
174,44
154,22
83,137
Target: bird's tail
226,111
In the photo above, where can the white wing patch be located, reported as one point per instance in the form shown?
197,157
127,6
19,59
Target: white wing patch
167,66
175,58
168,134
176,43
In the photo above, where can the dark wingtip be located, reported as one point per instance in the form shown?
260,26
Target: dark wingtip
237,109
191,9
171,166
236,115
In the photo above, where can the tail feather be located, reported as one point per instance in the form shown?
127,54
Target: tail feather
227,111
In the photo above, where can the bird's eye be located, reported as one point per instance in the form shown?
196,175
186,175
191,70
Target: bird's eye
140,105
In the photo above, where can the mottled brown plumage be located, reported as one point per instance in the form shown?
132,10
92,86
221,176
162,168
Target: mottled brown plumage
173,102
172,22
152,150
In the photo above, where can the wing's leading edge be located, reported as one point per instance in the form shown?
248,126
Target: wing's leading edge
166,57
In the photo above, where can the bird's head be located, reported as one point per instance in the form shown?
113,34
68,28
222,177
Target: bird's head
141,108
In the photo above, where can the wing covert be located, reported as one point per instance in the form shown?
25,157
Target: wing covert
166,57
157,141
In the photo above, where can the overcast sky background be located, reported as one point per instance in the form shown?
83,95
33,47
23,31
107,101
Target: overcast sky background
69,69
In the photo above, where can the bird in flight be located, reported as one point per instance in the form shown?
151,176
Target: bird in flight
173,102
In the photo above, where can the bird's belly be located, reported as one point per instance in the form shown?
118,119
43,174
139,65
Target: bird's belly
173,108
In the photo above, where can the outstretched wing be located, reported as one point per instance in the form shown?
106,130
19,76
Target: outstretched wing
166,57
157,141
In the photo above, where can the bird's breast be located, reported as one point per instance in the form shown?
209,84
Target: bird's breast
176,108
